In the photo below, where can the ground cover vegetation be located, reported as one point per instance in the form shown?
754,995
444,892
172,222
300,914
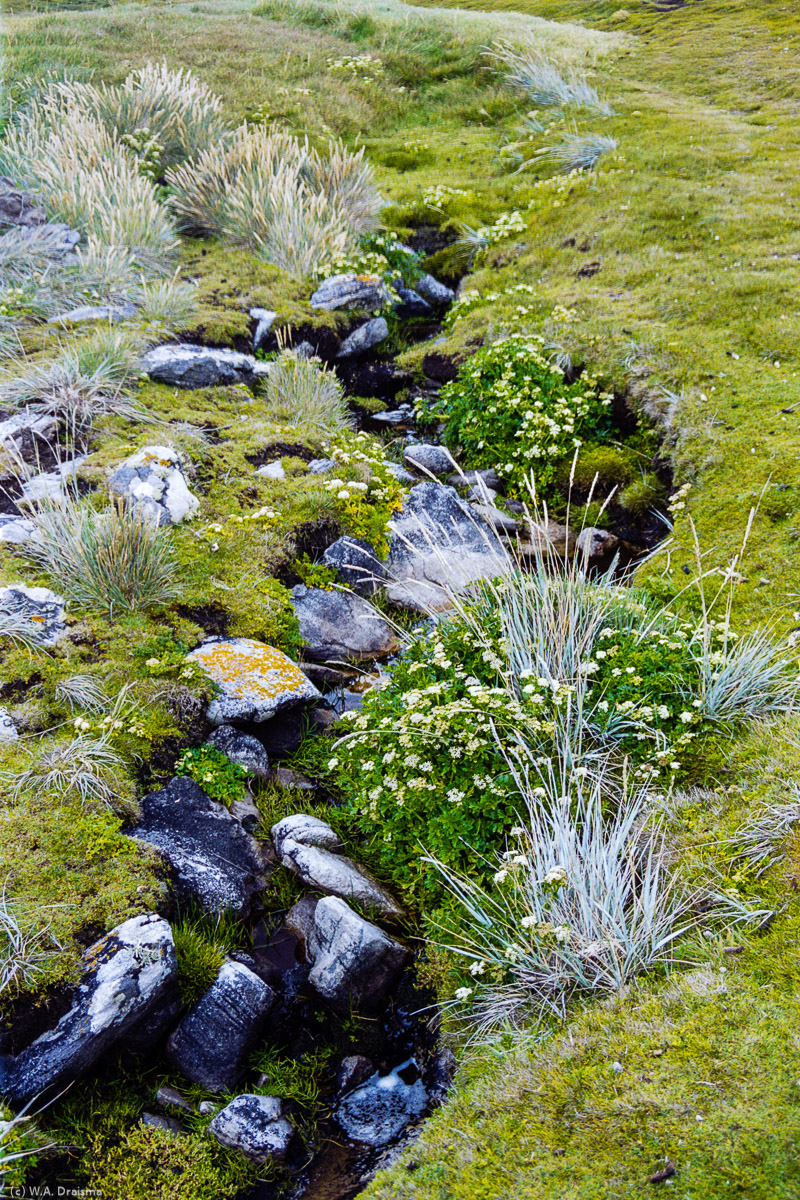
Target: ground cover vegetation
621,200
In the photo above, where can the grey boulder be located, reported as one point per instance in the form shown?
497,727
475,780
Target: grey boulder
211,1044
322,466
272,470
306,830
126,975
17,530
356,564
56,485
190,366
433,459
152,481
411,304
593,544
354,962
17,207
500,521
241,748
255,1126
439,547
8,730
255,681
34,612
23,434
340,627
381,1108
351,291
88,313
337,875
216,864
433,291
364,338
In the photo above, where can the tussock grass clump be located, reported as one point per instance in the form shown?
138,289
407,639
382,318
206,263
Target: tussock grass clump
105,561
267,190
580,151
304,396
25,945
83,769
547,85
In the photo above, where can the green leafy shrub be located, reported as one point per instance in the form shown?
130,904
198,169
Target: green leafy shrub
219,778
381,254
510,408
367,493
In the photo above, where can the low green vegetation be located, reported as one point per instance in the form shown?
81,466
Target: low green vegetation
219,778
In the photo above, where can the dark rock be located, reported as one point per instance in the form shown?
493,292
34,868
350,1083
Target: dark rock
353,1070
433,459
441,368
365,338
154,1027
354,962
340,627
255,1126
487,477
191,366
125,976
433,291
17,207
169,1097
351,291
411,304
288,780
594,544
241,748
377,1112
36,611
283,734
356,564
299,920
51,240
168,1124
216,863
212,1042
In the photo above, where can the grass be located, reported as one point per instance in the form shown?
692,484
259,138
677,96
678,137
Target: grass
306,398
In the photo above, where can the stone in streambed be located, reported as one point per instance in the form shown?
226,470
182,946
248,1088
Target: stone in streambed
594,544
433,291
306,830
255,1126
365,338
375,1113
356,564
351,291
337,875
354,962
433,459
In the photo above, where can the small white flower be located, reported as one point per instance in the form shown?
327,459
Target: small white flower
477,968
463,993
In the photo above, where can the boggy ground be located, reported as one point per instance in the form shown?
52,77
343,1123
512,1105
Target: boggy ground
678,262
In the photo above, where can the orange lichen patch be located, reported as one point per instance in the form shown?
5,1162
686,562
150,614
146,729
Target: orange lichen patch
251,670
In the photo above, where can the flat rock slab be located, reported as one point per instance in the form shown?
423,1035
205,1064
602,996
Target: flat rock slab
190,366
216,863
354,962
153,481
380,1109
88,313
356,564
337,875
214,1039
256,681
255,1126
340,627
439,547
17,207
19,531
37,612
351,291
126,975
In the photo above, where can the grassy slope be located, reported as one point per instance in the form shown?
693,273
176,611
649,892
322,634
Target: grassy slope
692,223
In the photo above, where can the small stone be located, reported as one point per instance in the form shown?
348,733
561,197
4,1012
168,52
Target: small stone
322,466
241,748
377,1112
53,485
17,207
353,1070
206,1107
289,780
487,478
299,920
354,962
95,312
168,1124
306,830
170,1097
340,627
38,612
255,1126
189,366
255,680
264,318
433,291
214,1039
356,564
501,522
433,459
152,480
304,350
18,531
8,730
364,338
596,543
547,537
24,432
411,304
351,291
401,474
272,470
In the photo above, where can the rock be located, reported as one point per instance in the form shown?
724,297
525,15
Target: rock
593,544
53,485
547,537
340,627
169,1097
305,830
19,531
480,494
351,291
247,813
438,547
356,564
255,1126
125,975
95,312
433,291
152,480
433,459
485,478
404,415
337,875
440,1074
377,1112
272,470
214,1039
256,681
354,962
299,920
36,611
501,522
284,734
148,1033
8,730
17,207
207,1107
353,1070
216,863
402,475
191,366
23,434
411,304
364,338
304,350
322,466
264,318
288,780
51,240
241,748
168,1124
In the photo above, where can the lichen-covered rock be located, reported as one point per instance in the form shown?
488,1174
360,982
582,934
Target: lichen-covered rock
56,485
381,1108
256,681
214,1039
354,962
272,470
217,865
364,338
17,530
24,433
35,611
126,975
153,480
241,748
434,459
189,366
255,1126
351,291
337,875
594,544
439,547
306,830
340,627
8,730
356,564
411,304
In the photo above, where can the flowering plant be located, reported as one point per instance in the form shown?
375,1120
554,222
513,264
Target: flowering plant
219,778
366,492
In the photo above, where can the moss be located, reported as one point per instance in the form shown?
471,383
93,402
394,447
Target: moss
155,1163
